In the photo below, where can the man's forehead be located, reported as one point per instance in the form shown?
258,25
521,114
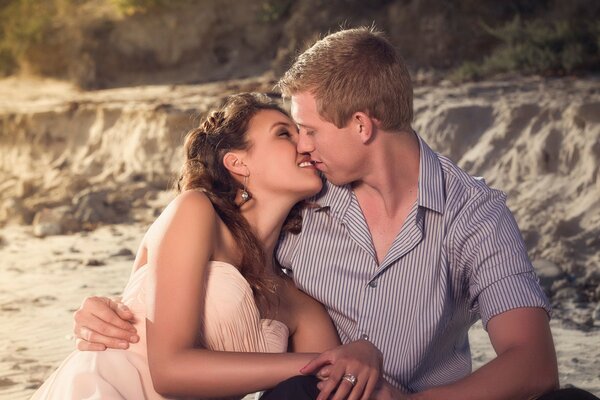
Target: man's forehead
303,108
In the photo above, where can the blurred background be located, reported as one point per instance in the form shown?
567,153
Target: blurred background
110,43
97,95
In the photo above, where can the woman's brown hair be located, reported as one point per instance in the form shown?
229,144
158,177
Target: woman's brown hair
222,131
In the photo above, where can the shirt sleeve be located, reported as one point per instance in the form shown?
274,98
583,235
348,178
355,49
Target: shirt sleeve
490,249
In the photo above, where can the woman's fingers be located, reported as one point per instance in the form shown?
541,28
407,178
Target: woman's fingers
359,387
343,390
370,386
315,364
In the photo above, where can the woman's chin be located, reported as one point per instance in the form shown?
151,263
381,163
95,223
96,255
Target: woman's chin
314,190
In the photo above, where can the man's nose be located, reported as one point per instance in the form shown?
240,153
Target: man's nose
305,143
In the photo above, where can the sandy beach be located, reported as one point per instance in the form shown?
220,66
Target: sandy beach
96,97
83,174
43,281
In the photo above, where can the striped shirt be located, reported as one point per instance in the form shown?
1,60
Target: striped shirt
458,257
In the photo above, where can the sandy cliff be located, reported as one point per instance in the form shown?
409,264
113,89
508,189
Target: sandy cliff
73,160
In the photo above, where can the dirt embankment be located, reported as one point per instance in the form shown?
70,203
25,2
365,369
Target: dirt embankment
77,159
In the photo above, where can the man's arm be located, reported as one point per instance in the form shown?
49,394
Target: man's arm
102,323
525,366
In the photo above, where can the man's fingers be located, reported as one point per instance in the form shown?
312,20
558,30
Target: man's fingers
323,373
330,385
82,345
103,328
120,309
96,338
117,314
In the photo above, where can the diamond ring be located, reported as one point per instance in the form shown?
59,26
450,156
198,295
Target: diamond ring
350,378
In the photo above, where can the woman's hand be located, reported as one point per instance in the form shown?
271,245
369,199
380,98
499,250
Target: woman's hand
360,359
102,323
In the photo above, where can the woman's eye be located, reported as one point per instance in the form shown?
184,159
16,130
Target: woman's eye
284,133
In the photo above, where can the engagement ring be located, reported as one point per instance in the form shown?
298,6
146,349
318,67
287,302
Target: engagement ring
350,378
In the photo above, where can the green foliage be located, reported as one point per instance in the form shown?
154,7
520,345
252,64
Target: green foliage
8,63
23,23
538,46
129,7
273,10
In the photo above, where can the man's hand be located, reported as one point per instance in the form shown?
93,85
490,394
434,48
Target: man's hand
360,359
385,391
102,323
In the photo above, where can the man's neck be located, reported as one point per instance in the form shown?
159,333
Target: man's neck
392,174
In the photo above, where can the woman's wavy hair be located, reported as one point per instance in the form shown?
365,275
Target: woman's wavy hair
222,131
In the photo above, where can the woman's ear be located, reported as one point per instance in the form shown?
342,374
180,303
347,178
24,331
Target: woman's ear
233,162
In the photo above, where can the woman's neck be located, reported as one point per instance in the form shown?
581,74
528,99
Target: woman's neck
266,220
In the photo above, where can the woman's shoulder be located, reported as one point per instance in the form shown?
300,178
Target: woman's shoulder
192,199
190,204
188,209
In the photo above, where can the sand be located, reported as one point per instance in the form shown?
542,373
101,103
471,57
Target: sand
43,281
97,159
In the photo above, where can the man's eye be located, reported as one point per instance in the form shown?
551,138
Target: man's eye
284,133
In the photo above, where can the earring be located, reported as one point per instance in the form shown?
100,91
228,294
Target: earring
245,194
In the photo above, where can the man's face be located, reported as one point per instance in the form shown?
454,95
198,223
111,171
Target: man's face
335,150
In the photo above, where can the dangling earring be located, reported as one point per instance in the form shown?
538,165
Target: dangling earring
245,194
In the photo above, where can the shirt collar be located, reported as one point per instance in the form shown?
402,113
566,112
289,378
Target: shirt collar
431,193
335,199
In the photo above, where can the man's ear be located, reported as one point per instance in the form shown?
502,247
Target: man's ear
233,162
364,126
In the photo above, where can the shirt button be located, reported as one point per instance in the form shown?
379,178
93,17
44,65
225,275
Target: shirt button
364,336
373,284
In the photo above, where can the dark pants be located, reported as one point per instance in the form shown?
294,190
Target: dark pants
305,388
568,394
296,388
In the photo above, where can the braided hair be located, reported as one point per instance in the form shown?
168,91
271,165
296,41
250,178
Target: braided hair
224,130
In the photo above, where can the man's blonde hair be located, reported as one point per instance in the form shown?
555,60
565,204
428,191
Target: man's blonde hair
350,71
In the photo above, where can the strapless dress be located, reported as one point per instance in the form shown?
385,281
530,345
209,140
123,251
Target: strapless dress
231,322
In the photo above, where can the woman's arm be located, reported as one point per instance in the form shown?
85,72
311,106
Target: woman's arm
312,329
180,244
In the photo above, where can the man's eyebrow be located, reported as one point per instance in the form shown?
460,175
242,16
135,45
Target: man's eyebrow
304,126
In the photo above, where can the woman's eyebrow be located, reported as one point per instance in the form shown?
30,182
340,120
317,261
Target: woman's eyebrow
281,123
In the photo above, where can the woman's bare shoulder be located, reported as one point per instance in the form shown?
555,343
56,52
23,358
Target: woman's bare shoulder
187,210
191,203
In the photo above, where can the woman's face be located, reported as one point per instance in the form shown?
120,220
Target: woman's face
276,169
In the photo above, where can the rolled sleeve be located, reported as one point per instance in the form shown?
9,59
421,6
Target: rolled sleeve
499,274
515,291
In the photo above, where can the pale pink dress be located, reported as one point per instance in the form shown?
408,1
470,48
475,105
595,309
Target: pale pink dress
231,323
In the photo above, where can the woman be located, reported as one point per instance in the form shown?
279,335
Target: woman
211,307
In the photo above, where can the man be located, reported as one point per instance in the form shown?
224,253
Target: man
406,250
